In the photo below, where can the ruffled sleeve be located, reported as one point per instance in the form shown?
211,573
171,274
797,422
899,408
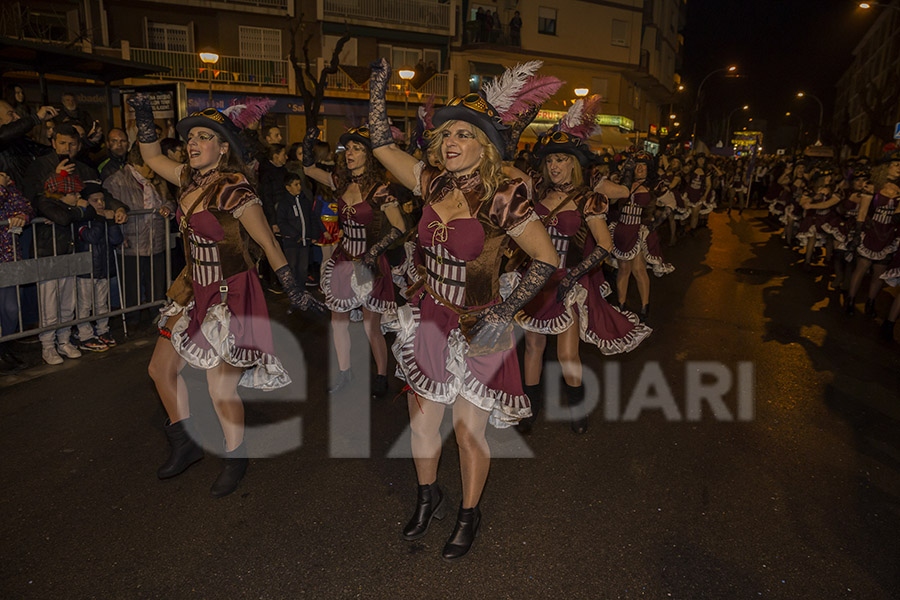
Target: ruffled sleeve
511,210
596,205
235,194
425,174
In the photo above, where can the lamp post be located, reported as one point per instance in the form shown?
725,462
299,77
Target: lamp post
868,5
821,114
799,131
209,58
730,69
728,121
406,74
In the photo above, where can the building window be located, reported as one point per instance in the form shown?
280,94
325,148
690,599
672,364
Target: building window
621,33
410,57
172,38
547,20
46,26
261,43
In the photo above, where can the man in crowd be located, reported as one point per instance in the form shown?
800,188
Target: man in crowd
17,150
117,150
74,114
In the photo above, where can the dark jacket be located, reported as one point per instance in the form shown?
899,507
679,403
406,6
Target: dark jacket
99,237
298,223
111,165
271,188
17,150
44,167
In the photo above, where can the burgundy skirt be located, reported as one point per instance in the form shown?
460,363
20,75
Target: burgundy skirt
348,284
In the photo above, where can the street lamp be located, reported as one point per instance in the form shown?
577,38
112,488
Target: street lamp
673,116
728,121
868,5
406,74
821,114
209,58
581,92
730,69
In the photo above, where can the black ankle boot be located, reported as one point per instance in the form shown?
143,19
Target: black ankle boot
848,302
887,330
535,394
185,451
644,315
235,465
467,522
870,308
430,504
380,386
342,381
575,396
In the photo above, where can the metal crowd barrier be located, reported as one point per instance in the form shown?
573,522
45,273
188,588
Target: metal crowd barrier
26,274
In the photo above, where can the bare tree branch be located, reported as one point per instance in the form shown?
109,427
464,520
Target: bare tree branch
312,90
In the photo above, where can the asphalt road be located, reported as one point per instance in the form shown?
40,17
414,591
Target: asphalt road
800,500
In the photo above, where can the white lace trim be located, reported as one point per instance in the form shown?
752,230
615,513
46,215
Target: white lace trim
520,228
417,173
239,211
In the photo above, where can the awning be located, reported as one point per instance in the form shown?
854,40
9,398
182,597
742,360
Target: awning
483,68
51,59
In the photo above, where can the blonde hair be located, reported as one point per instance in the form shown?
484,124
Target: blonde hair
577,174
491,166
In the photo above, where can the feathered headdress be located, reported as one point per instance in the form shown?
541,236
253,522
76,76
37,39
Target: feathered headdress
249,112
581,118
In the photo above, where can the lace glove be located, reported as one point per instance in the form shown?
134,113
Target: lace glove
516,129
309,142
661,217
143,118
379,125
494,320
855,237
627,173
590,261
371,257
300,298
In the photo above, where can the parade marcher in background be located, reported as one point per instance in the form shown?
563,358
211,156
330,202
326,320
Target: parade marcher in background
15,209
843,223
876,229
793,212
224,330
571,305
698,187
454,343
366,207
673,178
818,202
892,277
780,178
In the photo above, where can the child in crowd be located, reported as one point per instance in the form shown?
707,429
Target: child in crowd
298,224
100,235
15,209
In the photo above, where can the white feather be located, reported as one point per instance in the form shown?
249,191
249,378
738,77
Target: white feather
502,92
421,112
234,110
573,116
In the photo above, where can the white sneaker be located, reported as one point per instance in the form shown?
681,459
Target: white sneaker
69,351
51,357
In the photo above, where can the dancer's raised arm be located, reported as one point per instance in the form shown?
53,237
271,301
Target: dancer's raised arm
395,160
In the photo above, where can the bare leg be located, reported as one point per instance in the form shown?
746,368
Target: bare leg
425,441
672,229
810,248
165,370
535,343
340,332
372,325
862,265
222,382
567,353
695,216
622,277
469,423
639,270
876,283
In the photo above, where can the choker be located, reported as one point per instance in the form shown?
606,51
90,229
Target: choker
466,183
563,187
357,179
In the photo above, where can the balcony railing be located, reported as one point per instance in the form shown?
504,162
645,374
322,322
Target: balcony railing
424,15
475,32
250,5
439,85
187,66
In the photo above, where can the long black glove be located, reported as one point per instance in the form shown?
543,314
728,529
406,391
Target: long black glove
371,257
143,118
300,298
495,319
309,144
515,130
590,261
379,125
855,237
627,171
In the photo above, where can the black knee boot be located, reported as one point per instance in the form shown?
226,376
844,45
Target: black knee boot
467,522
887,330
870,308
379,386
575,396
235,465
342,382
535,394
430,504
185,451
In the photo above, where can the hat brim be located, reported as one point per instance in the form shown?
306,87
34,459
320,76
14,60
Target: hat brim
184,126
581,153
458,112
354,137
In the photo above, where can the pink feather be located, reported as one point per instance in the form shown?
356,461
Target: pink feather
537,90
590,110
429,112
254,110
397,134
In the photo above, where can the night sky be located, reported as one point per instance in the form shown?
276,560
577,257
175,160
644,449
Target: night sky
780,47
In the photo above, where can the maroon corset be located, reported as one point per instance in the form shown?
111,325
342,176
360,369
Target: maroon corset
561,227
446,247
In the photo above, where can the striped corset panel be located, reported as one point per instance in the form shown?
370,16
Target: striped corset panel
205,268
631,214
354,238
560,242
885,212
445,274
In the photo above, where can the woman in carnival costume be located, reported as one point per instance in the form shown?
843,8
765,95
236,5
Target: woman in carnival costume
224,328
819,201
571,305
843,222
455,343
366,207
